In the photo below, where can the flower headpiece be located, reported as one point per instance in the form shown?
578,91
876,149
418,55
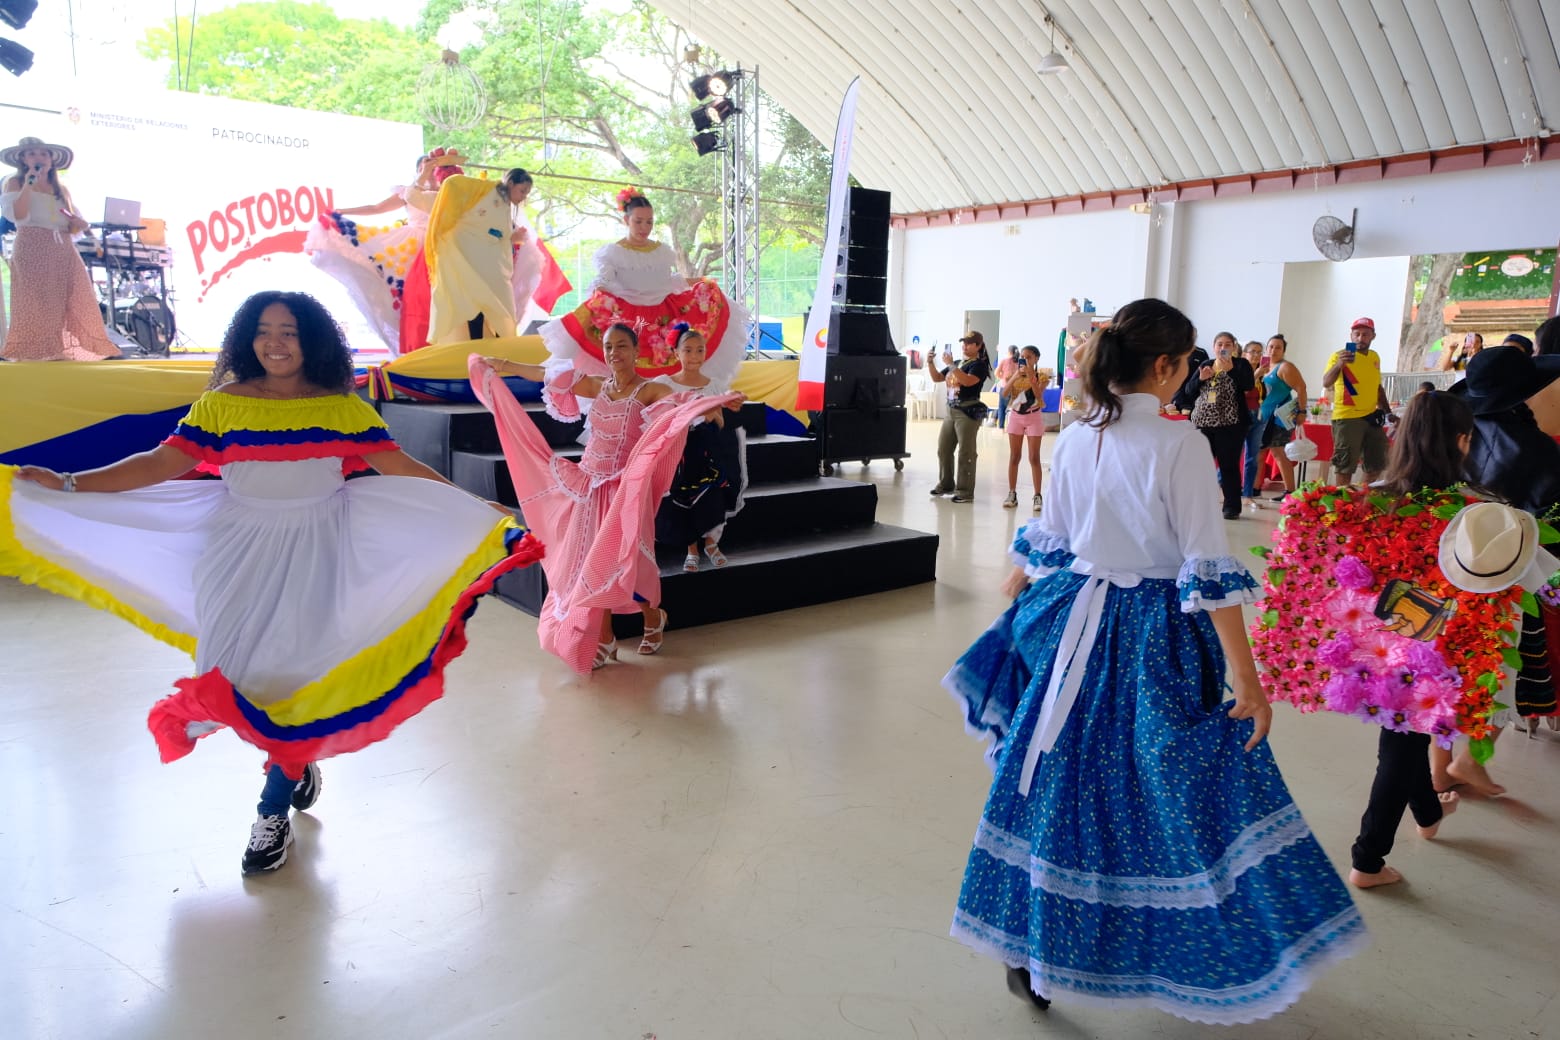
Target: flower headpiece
626,196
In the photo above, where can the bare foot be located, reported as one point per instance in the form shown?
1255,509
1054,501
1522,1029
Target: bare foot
1449,800
1384,876
1464,770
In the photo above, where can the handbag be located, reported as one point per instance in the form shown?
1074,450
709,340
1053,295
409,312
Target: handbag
1218,403
1286,413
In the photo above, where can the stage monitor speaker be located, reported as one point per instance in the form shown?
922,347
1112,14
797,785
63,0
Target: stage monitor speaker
859,333
864,382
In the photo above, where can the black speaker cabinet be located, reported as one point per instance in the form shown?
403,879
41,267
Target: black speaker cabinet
851,290
864,382
851,434
868,215
860,333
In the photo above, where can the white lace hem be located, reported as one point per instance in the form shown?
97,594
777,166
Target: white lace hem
1267,837
1330,942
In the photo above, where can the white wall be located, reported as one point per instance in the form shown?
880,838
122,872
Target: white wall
1321,300
1025,269
1224,261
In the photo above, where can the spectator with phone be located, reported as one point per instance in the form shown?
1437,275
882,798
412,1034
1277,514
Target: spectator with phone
1281,412
1360,408
966,411
1007,368
1457,360
1217,390
1028,426
54,309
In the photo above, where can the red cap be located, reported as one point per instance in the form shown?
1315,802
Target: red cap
1363,323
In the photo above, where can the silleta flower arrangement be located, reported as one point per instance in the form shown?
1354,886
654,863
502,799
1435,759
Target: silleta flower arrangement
1359,619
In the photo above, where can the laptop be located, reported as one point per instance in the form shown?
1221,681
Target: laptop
121,213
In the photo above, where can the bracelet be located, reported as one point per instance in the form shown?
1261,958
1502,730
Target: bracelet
68,482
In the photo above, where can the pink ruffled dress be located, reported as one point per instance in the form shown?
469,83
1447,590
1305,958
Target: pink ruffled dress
596,516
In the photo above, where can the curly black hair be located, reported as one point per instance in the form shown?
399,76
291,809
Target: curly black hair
327,360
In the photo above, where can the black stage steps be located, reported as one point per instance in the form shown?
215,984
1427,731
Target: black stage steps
801,539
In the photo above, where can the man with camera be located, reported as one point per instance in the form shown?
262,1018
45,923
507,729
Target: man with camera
1360,410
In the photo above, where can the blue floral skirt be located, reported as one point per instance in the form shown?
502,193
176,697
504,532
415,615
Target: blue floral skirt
1154,862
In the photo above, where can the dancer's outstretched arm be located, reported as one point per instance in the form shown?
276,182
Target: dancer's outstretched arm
163,462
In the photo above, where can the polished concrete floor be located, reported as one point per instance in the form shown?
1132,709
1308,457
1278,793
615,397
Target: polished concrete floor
759,833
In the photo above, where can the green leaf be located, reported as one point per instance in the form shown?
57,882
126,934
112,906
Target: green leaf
1263,551
1383,503
1447,510
1269,618
1529,604
1512,658
1497,706
1410,510
1278,574
1482,749
1489,680
1547,534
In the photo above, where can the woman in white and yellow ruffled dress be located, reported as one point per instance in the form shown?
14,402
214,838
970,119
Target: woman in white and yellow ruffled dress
484,262
372,261
321,612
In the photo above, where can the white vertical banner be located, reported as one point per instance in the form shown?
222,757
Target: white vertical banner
815,341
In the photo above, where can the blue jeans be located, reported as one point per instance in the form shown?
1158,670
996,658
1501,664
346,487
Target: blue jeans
1253,452
1002,403
276,797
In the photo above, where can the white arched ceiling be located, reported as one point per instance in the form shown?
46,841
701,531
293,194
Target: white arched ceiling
953,114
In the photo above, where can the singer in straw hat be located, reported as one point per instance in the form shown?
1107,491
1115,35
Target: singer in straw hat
54,310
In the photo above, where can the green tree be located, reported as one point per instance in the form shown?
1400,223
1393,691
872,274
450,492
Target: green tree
575,94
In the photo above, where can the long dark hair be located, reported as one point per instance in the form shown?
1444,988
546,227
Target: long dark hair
1546,338
327,360
1123,352
512,178
1425,452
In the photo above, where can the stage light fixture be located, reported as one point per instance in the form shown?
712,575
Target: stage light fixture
712,114
14,58
715,84
17,13
706,142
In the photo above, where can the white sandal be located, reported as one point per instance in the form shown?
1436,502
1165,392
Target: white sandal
691,563
605,653
647,647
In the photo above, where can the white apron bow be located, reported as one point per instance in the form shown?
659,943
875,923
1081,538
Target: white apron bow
1072,655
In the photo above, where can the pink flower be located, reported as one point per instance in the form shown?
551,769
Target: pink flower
1350,611
1336,653
1352,573
1345,692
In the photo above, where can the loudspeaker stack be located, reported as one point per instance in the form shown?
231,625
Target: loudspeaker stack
858,318
864,415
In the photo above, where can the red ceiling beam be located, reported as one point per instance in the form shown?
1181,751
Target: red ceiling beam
1445,160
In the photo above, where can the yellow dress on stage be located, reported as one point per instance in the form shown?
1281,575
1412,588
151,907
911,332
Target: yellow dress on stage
470,261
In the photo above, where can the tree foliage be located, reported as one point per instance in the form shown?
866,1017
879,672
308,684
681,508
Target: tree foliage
573,91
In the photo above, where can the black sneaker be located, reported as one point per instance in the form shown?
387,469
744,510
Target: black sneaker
308,790
939,490
268,841
1018,985
957,497
1232,516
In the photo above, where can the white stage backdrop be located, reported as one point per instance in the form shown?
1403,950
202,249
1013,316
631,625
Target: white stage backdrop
238,184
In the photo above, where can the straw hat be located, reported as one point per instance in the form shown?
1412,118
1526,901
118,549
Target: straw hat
1488,546
60,156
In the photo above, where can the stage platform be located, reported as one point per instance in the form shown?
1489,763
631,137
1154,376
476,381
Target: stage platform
801,539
